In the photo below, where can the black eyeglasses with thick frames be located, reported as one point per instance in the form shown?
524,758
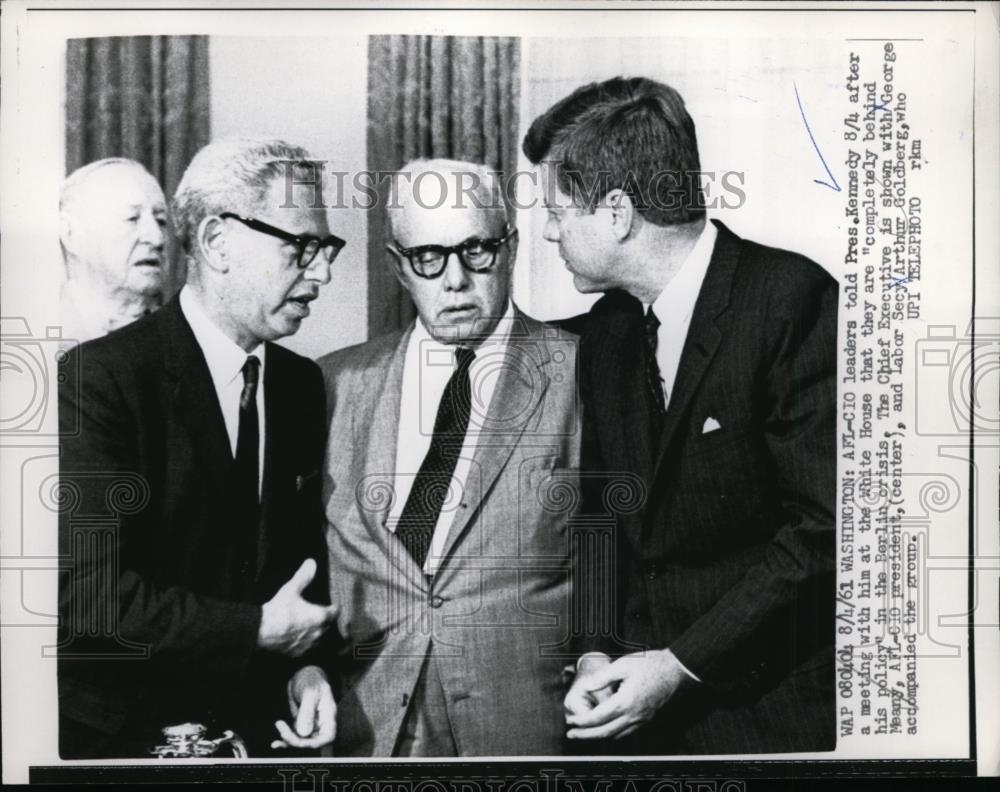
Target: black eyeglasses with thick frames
308,245
476,255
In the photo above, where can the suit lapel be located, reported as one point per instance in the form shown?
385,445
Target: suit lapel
279,449
704,335
519,391
194,402
383,385
377,433
612,346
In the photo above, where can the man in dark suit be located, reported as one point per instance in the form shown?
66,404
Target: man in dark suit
708,370
193,528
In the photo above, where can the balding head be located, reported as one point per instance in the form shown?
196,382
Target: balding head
428,190
113,226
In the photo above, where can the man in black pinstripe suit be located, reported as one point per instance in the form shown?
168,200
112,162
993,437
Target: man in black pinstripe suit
708,371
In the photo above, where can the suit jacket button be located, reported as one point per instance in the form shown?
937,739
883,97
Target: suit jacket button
651,574
436,601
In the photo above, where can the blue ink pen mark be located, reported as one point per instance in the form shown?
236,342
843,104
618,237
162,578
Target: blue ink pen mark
900,281
834,186
883,107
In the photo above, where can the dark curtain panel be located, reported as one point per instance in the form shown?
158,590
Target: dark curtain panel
142,97
433,96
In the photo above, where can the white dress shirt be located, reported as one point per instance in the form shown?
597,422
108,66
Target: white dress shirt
225,361
427,367
675,306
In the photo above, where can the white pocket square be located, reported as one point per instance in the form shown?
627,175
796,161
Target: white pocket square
710,426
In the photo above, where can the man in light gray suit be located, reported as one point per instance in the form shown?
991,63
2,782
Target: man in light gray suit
451,475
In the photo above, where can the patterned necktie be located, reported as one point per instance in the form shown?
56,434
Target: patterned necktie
653,378
248,464
430,487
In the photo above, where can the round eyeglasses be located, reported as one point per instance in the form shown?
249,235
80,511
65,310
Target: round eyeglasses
308,246
475,255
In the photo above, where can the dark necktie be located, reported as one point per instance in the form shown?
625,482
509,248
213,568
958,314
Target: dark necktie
423,506
248,463
653,378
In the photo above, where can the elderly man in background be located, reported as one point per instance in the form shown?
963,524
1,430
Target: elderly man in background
448,441
205,600
112,230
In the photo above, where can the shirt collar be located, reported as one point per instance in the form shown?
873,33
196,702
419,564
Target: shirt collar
676,302
224,356
500,334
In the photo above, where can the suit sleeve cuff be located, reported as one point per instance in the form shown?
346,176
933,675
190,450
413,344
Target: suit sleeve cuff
241,626
687,670
597,656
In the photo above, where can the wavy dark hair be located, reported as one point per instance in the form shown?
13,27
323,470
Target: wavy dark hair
629,133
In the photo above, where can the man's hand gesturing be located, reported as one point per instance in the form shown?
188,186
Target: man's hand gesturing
289,624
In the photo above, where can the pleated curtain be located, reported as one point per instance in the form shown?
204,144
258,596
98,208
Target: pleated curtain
141,97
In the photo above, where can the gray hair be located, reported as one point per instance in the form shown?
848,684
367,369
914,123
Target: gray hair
471,182
234,175
78,178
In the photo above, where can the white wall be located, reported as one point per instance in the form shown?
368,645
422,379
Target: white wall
740,92
311,92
